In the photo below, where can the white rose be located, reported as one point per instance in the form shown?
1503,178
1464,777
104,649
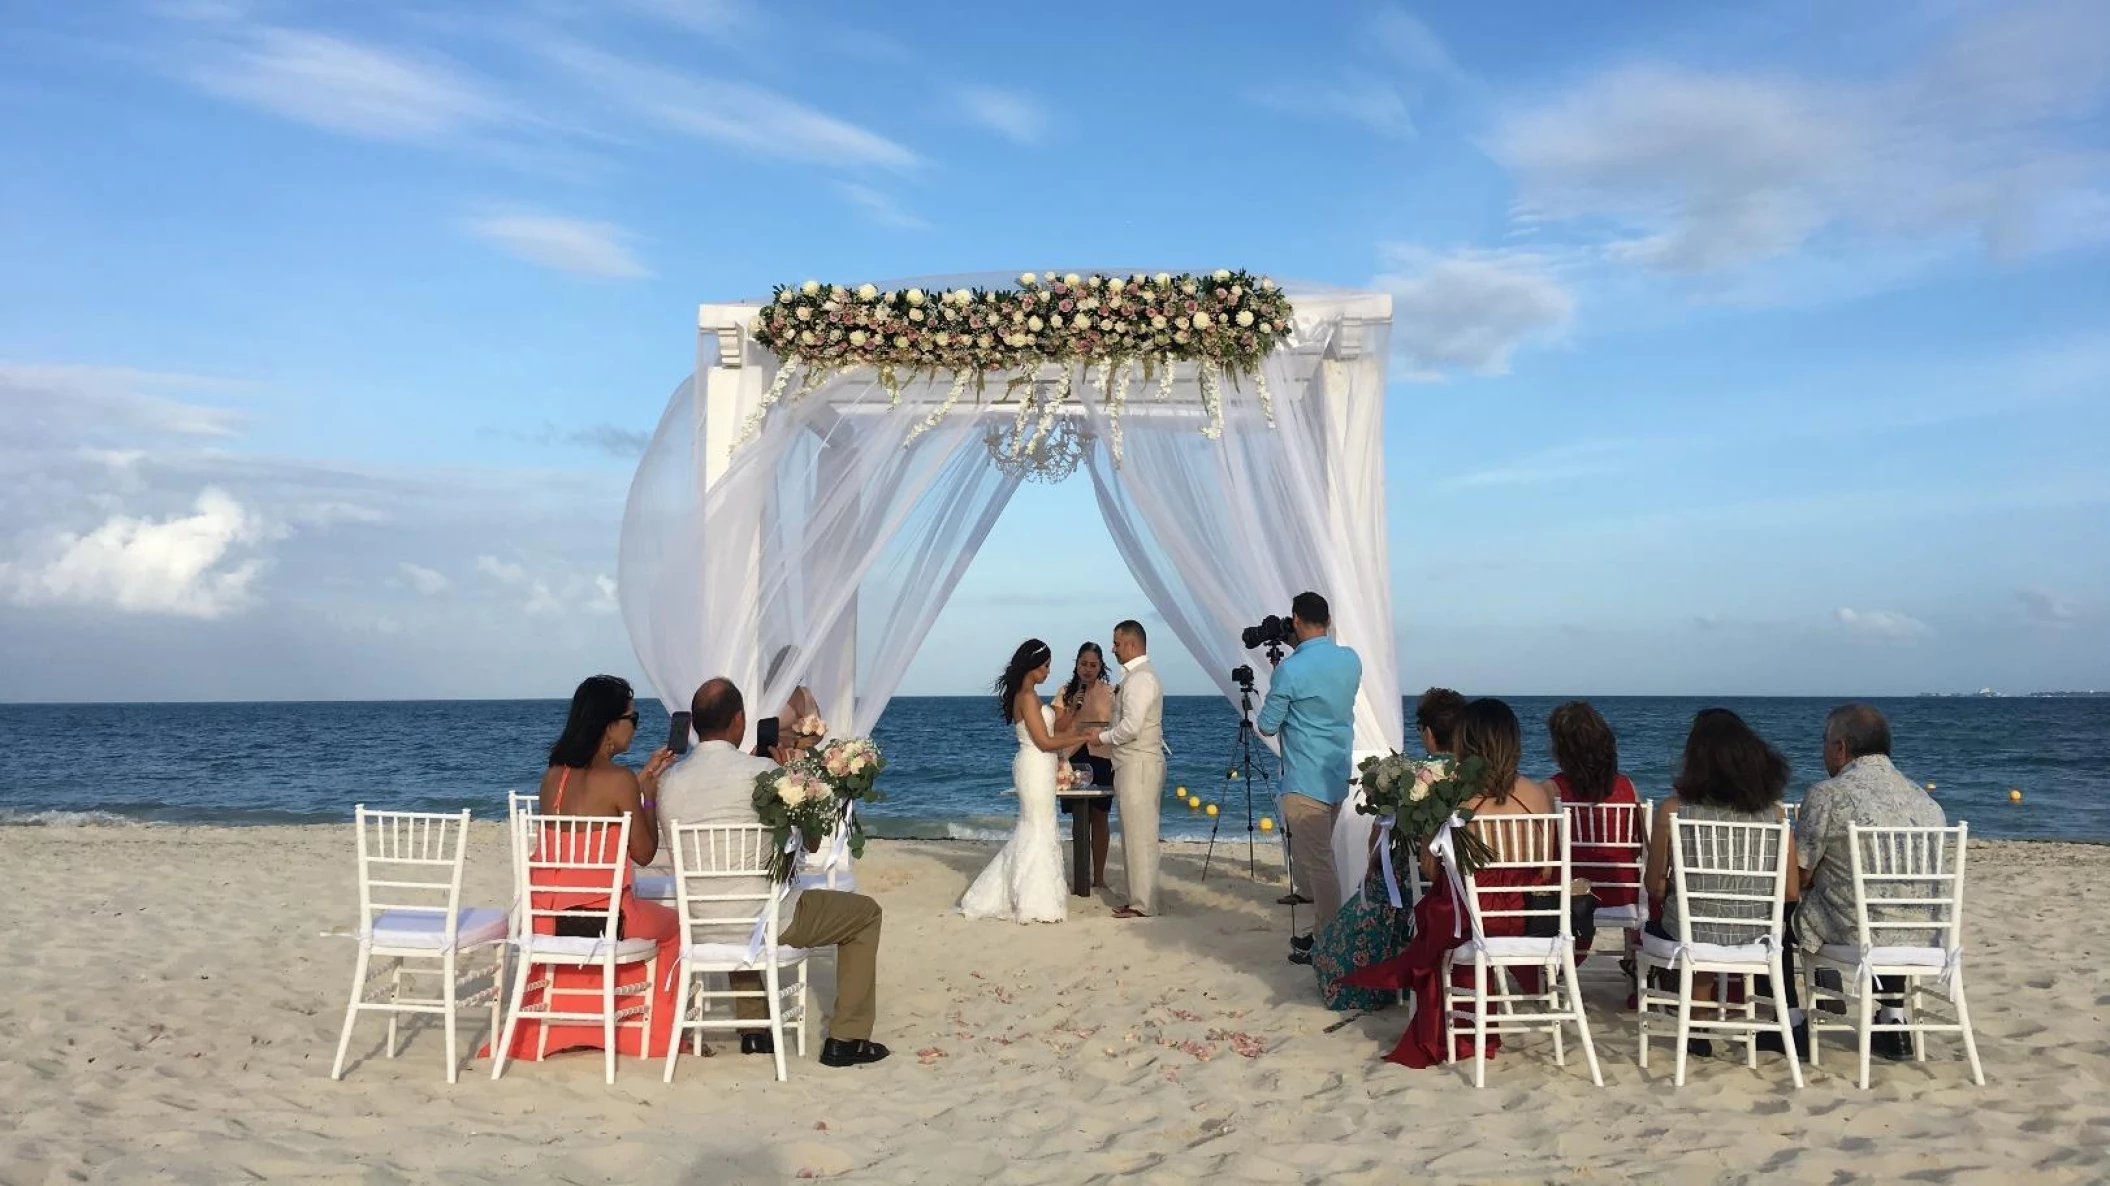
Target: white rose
1113,284
1190,288
1223,274
810,287
785,297
1035,324
1266,285
915,296
942,338
1417,792
915,314
1055,320
984,341
790,793
805,312
857,765
1158,322
989,298
1027,279
900,342
1245,317
857,337
867,291
963,296
1018,316
1201,321
1082,322
1096,281
1182,337
838,291
1163,279
1071,278
807,337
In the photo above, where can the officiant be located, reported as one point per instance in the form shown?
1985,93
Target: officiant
1311,706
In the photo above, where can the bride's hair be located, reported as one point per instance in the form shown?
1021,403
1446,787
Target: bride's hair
1075,688
1029,656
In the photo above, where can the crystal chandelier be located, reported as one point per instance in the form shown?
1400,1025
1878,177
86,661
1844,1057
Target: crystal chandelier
1055,457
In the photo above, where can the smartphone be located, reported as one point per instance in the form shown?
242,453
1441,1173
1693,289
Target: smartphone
678,733
766,734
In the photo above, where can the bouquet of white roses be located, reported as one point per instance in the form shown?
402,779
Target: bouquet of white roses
794,800
1419,796
809,725
851,766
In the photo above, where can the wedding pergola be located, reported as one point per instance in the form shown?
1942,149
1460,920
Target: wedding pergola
802,521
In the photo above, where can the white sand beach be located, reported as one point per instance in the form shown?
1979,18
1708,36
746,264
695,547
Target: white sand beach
171,1009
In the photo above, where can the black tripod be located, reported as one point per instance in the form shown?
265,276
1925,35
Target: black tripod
1244,766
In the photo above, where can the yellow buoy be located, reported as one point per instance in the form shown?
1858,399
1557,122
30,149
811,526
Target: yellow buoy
1179,792
1194,802
1267,823
2014,796
1930,786
1209,810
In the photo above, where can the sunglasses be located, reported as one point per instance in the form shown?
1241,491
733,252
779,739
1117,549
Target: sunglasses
630,716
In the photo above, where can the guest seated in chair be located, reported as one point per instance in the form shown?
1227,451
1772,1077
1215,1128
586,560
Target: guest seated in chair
1587,752
715,785
1865,789
1728,774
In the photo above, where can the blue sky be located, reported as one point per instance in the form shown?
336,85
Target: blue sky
1758,350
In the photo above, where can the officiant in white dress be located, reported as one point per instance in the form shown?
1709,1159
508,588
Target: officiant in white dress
1027,882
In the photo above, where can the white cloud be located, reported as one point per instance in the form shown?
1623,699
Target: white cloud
552,595
54,404
567,244
1470,309
879,208
2045,607
737,114
344,85
190,566
1016,117
1882,625
424,580
1686,171
1373,104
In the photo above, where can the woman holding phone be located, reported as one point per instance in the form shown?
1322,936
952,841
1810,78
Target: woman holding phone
1086,704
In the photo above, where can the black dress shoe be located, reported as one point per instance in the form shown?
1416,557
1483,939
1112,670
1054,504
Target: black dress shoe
757,1044
1300,957
855,1052
1700,1047
1769,1042
1300,942
1894,1046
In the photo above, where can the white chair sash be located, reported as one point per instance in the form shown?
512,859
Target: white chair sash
1384,856
1865,969
1445,850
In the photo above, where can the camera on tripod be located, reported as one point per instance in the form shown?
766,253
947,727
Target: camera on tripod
1273,633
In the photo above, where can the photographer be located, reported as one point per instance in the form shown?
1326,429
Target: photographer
1311,703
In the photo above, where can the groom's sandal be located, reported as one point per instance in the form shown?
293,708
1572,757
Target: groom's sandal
757,1044
851,1053
1293,898
1129,912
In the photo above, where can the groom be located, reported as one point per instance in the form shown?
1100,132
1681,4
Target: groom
1138,743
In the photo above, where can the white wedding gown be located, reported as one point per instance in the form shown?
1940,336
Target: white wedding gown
1026,882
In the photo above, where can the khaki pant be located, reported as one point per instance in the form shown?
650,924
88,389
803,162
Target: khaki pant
1139,783
1310,826
850,924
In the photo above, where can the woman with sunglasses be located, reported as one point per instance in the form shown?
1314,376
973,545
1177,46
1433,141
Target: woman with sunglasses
584,779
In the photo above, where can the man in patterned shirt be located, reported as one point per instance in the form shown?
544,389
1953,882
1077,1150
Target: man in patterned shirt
1864,788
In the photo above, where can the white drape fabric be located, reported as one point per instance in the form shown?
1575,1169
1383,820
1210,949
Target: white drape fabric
820,552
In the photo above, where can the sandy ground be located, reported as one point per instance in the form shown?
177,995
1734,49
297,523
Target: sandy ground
171,1009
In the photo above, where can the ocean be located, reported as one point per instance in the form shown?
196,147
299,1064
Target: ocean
948,759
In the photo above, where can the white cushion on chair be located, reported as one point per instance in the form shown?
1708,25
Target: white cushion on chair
1885,957
428,929
1618,916
1517,947
584,948
1666,950
737,955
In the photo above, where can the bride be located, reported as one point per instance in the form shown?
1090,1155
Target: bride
1025,883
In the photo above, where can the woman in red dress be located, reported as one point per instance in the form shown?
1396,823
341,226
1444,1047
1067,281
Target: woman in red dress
1587,752
1487,730
584,779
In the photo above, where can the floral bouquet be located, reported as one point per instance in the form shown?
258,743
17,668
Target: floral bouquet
1069,778
851,767
1418,796
794,800
811,726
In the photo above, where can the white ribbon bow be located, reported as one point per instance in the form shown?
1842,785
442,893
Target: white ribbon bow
1384,854
1865,973
1445,850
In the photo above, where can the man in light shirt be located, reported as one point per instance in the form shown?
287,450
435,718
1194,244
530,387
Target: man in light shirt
1137,739
715,785
1311,704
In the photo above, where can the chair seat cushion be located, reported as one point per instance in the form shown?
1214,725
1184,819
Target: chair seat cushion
1884,957
736,956
584,948
1666,950
427,930
1516,947
1619,916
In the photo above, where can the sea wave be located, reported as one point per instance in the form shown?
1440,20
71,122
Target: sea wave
10,818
